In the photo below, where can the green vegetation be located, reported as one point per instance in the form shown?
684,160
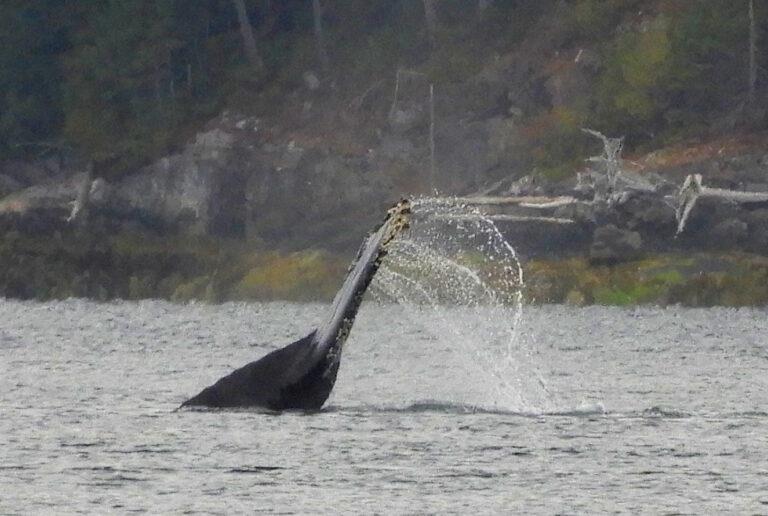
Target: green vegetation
668,71
122,81
557,143
137,266
297,276
679,68
699,280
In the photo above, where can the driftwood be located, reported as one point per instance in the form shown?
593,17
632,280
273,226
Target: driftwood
529,201
556,203
692,190
504,218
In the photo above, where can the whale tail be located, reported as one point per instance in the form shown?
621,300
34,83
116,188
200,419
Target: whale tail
302,374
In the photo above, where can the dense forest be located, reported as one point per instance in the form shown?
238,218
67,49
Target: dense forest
121,81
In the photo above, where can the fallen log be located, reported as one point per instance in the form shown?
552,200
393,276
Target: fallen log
692,190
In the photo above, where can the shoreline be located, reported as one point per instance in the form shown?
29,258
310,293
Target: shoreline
133,266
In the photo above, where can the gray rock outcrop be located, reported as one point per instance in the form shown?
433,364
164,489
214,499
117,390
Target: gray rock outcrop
611,244
729,233
321,199
196,189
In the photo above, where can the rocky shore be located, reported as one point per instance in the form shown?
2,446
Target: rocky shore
237,215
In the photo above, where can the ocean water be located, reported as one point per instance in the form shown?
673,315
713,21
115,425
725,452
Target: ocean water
584,411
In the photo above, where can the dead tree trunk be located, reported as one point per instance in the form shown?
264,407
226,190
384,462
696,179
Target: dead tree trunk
432,138
609,168
430,16
246,31
322,54
79,214
752,53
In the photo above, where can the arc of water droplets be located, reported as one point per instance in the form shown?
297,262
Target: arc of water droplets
487,364
389,285
518,294
424,268
451,204
412,249
519,301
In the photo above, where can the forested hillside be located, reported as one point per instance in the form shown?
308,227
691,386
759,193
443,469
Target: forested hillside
120,81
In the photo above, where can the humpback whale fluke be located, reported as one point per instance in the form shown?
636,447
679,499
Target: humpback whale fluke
301,375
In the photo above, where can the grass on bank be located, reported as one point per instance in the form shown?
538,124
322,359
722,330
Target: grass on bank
733,279
137,266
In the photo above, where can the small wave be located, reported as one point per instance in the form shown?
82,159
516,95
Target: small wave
450,407
447,407
246,410
115,481
82,445
520,453
127,478
660,412
472,474
143,449
568,450
108,469
688,454
437,407
648,472
254,469
595,409
664,412
749,414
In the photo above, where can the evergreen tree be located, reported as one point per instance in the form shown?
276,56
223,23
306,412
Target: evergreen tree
118,78
33,36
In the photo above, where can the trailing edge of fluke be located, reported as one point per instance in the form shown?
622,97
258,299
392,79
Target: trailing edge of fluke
301,375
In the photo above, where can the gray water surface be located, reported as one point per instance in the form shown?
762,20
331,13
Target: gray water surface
602,410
